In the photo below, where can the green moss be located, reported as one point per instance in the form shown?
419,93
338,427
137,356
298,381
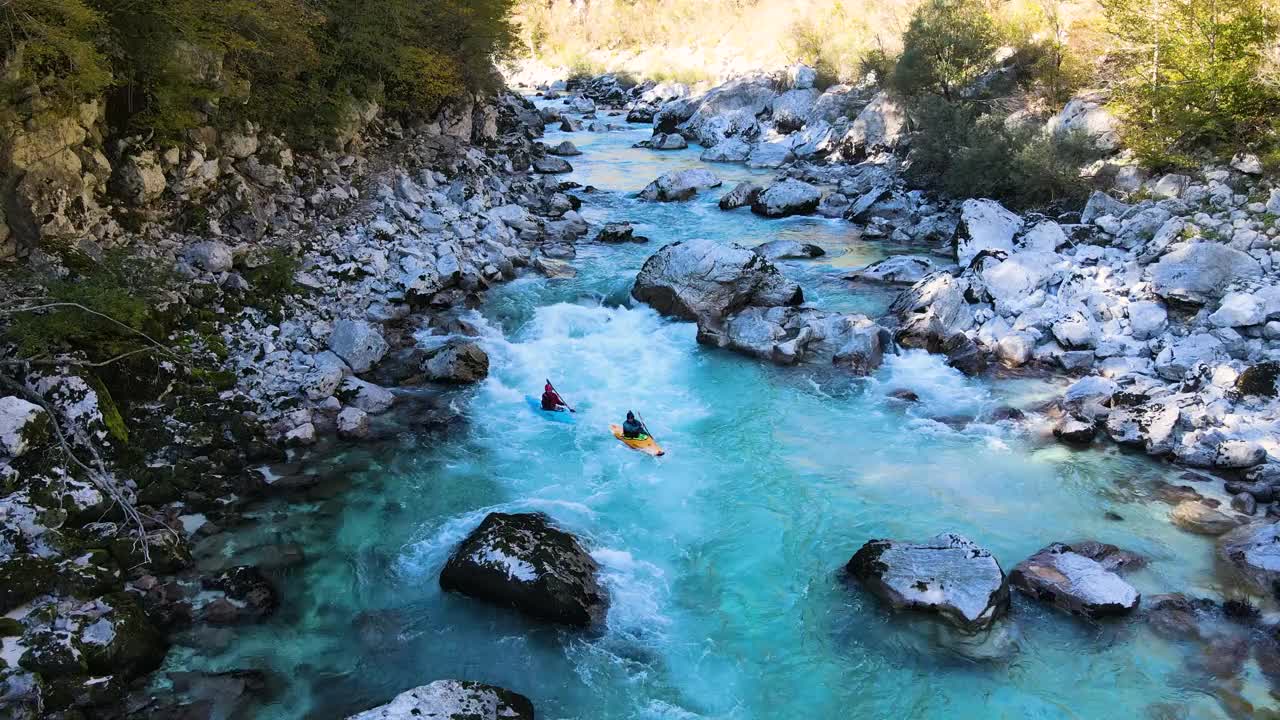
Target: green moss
23,578
110,411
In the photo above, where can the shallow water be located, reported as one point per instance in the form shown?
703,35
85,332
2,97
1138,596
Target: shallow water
723,558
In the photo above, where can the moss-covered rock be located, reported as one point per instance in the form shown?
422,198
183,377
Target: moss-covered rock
21,695
88,692
52,652
23,578
123,640
1259,380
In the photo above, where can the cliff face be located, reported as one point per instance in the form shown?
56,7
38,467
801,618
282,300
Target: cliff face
67,184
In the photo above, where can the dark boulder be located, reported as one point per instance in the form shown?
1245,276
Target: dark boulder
1074,582
523,561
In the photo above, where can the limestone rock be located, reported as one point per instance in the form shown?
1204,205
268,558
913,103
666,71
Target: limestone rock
948,575
789,197
523,561
358,343
679,185
453,700
1074,583
703,280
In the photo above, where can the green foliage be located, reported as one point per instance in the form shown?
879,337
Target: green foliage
965,153
124,290
1191,75
50,46
294,65
947,46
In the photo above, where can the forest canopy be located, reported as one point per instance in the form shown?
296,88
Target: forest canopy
294,65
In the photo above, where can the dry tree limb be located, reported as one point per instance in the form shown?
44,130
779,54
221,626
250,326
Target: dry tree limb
97,473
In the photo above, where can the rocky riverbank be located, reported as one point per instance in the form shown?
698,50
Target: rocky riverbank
316,292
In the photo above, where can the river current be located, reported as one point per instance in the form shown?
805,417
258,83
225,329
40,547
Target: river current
723,558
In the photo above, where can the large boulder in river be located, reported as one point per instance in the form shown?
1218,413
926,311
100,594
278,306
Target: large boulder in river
1200,272
789,197
948,575
460,363
742,195
788,335
703,280
523,561
909,269
1075,583
453,700
792,107
1252,553
679,185
985,225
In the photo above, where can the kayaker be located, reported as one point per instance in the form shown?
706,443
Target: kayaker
551,400
632,428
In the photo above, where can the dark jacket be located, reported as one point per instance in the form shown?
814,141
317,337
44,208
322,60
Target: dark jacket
632,429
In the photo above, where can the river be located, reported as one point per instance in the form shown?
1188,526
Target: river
723,558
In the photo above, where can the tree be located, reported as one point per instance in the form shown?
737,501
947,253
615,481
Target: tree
946,46
1190,74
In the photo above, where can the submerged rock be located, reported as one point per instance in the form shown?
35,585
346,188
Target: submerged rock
1075,583
1252,552
1194,516
453,700
948,575
703,280
523,561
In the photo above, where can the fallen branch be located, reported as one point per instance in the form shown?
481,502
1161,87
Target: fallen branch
98,473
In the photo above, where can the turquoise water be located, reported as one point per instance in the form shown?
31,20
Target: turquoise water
723,558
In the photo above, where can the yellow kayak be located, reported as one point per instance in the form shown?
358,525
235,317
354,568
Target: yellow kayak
644,444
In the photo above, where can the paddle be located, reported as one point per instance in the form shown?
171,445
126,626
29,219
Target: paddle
645,425
557,392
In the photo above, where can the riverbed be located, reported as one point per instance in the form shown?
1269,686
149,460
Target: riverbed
724,557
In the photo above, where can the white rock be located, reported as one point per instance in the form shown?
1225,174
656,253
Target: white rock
1239,309
985,225
1175,360
211,255
366,396
1147,319
1273,202
358,343
302,435
1199,272
353,423
1075,330
1046,236
1247,163
22,424
1171,186
1239,454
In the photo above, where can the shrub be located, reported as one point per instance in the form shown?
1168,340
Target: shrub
964,153
946,46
